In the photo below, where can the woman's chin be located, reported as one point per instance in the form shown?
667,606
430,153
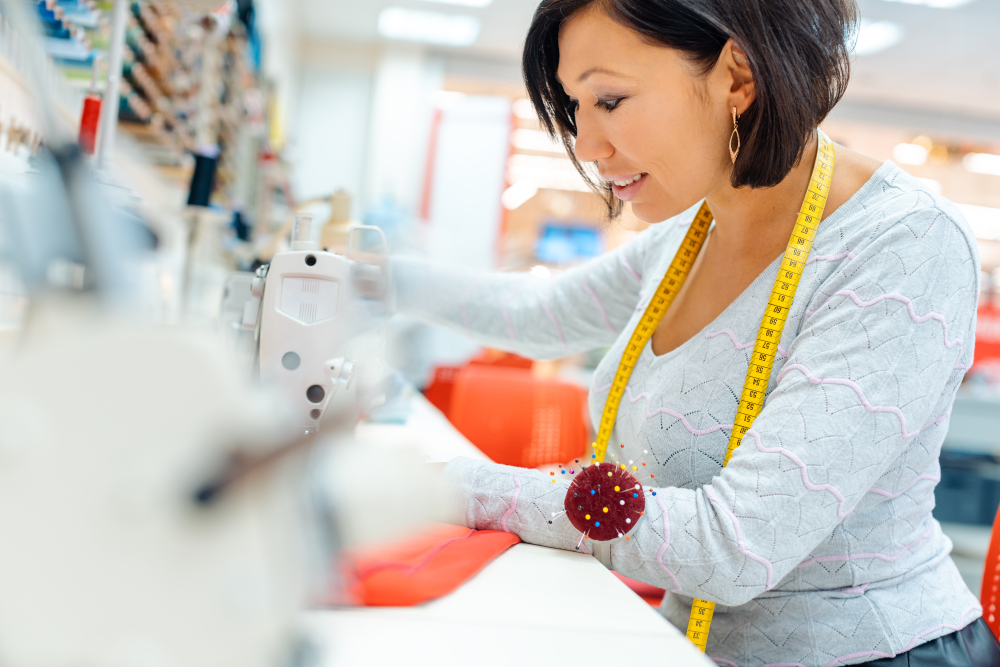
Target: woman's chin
652,212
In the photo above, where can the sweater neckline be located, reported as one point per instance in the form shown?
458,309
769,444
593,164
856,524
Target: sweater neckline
853,204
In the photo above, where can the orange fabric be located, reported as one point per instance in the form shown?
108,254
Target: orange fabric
424,567
651,594
517,419
988,334
989,594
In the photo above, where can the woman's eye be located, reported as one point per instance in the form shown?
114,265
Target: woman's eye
609,105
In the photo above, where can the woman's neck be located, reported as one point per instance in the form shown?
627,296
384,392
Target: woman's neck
760,220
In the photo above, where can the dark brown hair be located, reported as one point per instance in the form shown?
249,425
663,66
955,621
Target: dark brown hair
798,53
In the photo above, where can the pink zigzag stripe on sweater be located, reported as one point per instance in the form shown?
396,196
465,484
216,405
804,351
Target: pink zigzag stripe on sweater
953,628
891,409
597,301
879,654
860,590
503,310
513,502
555,322
736,341
919,319
849,557
841,513
629,268
830,258
673,413
710,492
666,545
891,495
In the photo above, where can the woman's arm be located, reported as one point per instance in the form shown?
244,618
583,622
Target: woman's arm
876,362
578,310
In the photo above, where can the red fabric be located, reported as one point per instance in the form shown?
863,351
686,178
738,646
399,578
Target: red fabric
424,567
651,594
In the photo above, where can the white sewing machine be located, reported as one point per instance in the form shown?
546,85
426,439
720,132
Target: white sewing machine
320,339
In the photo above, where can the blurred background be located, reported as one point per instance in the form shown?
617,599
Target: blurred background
224,120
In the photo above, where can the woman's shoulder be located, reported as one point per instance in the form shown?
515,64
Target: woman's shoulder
897,239
895,210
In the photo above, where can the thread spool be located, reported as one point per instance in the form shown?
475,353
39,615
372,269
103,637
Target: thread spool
89,122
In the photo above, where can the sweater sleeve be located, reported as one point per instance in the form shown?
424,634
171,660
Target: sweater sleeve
574,311
877,359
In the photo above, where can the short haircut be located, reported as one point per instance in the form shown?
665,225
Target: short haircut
798,53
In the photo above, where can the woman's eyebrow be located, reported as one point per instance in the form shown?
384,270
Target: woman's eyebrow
600,70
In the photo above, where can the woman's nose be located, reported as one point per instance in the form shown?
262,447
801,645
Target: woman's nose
591,143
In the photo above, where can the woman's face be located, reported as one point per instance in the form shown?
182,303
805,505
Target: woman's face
645,115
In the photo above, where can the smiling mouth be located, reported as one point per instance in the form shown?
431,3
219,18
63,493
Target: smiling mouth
629,181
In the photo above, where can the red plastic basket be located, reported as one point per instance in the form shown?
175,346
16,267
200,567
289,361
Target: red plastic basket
519,420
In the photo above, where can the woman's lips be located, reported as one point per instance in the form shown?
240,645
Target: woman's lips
627,192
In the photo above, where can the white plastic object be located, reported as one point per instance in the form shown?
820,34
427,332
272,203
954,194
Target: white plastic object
105,559
304,315
365,228
302,235
341,371
257,286
250,312
390,296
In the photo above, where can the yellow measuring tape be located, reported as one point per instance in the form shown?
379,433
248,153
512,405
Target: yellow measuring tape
768,337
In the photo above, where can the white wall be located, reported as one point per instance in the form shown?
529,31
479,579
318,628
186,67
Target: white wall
329,140
405,82
472,148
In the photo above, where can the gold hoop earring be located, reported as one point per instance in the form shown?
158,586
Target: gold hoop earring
736,133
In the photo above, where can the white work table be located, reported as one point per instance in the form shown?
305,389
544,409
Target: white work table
530,606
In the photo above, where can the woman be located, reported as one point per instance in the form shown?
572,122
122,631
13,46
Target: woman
816,540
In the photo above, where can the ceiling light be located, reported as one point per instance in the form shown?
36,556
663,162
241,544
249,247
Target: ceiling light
875,36
910,154
982,163
940,4
464,3
518,193
431,27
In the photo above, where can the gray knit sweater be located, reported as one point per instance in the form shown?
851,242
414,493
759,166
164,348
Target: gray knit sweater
817,540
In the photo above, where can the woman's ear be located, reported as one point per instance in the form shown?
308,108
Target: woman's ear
736,67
